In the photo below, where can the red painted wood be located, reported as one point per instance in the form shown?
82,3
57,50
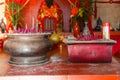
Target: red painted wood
66,9
58,64
31,11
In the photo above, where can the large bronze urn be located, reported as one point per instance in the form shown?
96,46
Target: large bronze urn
27,49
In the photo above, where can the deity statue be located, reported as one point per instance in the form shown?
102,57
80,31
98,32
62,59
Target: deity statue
99,25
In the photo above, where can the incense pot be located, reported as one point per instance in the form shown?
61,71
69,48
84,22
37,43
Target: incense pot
27,49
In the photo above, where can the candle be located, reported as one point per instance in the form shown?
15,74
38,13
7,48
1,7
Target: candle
60,48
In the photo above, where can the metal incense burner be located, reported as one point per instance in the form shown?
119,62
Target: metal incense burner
27,49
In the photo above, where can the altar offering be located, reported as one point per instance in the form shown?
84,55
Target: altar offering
90,51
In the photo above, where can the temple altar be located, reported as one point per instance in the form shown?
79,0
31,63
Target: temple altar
89,59
59,64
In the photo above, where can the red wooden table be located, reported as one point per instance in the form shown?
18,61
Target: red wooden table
60,68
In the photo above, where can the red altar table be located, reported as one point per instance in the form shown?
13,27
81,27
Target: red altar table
60,68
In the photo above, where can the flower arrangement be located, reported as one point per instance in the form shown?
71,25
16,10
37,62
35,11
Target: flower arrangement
81,9
13,11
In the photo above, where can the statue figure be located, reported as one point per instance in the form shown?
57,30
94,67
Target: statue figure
99,25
